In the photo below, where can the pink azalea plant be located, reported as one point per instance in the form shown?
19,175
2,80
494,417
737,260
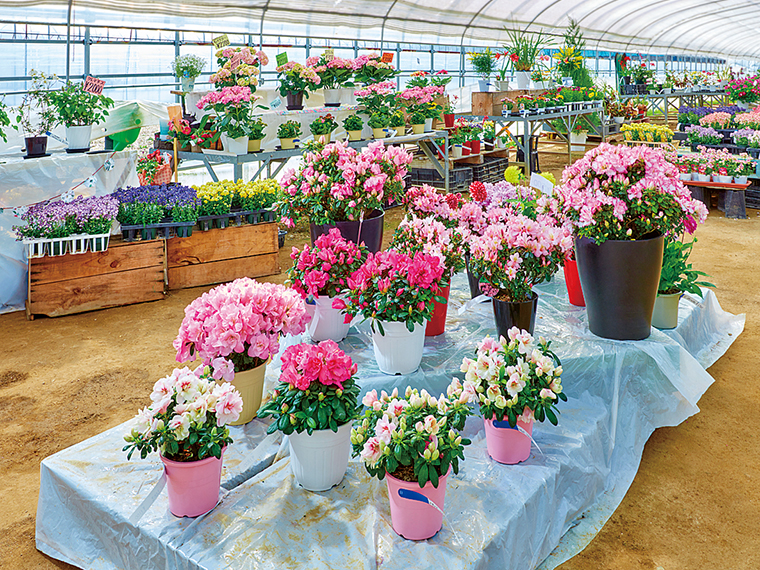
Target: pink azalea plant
339,183
237,326
426,201
323,269
431,237
317,390
416,429
514,378
626,193
186,418
396,287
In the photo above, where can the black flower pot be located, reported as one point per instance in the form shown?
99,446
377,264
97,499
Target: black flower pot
472,279
36,146
619,279
520,314
369,231
294,101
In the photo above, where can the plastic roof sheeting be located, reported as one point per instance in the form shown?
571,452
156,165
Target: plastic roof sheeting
707,27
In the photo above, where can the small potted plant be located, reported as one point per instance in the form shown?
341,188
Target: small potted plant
353,126
449,108
35,114
483,64
78,110
334,73
296,81
154,168
186,424
233,106
676,278
256,135
314,405
322,127
202,136
186,68
432,111
181,131
515,380
288,132
417,120
414,443
396,292
6,122
397,123
235,328
379,122
524,49
320,274
431,236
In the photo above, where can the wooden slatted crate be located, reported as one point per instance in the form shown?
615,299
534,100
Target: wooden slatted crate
222,255
124,274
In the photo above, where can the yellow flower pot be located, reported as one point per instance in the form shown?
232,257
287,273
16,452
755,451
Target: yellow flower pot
287,144
326,138
250,384
418,129
254,145
379,133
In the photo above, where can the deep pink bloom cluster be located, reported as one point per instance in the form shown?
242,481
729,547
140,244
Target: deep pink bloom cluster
431,237
420,95
383,88
324,268
243,316
324,363
426,201
228,96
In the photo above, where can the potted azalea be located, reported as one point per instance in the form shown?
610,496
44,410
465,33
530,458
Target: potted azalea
369,179
235,328
676,278
414,443
620,216
187,68
256,135
515,380
296,81
483,64
288,132
511,256
395,291
314,405
186,423
78,110
353,126
320,274
431,236
322,127
428,202
233,105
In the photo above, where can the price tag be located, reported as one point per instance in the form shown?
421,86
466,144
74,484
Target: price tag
281,58
540,183
221,42
94,85
275,103
387,57
329,53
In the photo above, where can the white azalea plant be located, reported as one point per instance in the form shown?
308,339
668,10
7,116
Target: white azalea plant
188,417
514,378
414,437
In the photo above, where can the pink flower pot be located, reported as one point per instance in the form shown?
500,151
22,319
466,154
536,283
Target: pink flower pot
411,518
508,445
193,486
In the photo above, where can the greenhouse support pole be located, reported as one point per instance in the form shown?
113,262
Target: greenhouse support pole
68,42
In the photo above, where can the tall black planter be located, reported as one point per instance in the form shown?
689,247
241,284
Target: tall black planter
520,315
619,280
472,279
370,232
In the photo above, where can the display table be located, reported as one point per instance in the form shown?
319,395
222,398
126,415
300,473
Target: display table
497,516
731,200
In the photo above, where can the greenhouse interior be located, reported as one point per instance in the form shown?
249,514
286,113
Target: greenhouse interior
377,284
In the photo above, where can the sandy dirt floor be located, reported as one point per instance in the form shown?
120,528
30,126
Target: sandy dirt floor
693,505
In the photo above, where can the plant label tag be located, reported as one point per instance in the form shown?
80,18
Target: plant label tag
329,53
275,103
94,85
221,41
281,58
387,57
540,183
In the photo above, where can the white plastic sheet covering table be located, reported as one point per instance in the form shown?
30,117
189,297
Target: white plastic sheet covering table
539,512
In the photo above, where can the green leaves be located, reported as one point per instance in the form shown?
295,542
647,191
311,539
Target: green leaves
676,274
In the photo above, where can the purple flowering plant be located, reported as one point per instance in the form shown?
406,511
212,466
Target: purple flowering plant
150,204
58,218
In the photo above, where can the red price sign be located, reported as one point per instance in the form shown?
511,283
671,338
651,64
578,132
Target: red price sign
387,57
94,85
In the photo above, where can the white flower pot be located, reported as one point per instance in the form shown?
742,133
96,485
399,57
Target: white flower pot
238,145
456,151
667,90
740,179
326,322
483,85
398,351
79,137
619,120
332,97
665,315
502,85
722,179
578,142
319,460
523,79
697,177
347,95
686,176
428,125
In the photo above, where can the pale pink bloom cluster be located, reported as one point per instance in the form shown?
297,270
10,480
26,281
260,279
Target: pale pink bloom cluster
383,88
371,60
241,316
324,363
228,96
497,203
716,120
426,200
431,237
420,95
586,184
308,74
752,118
193,399
493,383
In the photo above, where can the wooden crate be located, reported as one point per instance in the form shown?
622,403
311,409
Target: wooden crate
222,255
124,274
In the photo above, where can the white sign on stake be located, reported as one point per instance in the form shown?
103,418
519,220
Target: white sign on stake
540,183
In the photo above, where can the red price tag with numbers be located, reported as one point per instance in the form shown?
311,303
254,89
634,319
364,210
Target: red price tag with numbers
94,85
387,57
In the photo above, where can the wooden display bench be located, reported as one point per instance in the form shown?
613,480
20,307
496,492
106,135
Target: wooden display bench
139,271
222,255
488,103
124,274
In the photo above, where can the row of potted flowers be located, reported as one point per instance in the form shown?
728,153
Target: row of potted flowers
714,165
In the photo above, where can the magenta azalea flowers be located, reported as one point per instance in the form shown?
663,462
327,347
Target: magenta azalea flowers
626,193
239,323
431,237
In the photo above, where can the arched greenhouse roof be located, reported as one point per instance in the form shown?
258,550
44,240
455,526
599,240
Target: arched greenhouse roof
725,28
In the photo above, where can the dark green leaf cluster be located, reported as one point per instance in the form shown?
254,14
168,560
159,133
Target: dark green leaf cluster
76,107
677,274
